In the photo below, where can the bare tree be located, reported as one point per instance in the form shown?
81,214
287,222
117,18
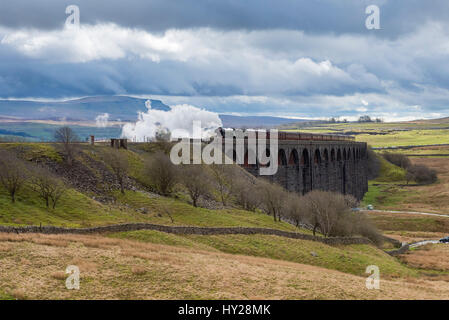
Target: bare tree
67,137
196,180
118,161
294,209
162,173
398,159
324,209
273,198
421,174
13,173
246,193
48,186
224,177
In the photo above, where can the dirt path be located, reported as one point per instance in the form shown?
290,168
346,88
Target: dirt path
410,212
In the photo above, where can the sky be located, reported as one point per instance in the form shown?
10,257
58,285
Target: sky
291,58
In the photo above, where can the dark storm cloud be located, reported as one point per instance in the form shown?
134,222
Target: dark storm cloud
287,57
335,16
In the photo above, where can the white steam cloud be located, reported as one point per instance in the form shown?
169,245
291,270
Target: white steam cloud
102,120
178,121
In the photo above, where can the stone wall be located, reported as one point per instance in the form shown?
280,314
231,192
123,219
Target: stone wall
183,230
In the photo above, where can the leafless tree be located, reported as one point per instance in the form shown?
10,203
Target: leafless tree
13,173
224,176
118,161
324,210
67,137
48,186
398,159
162,173
273,198
294,209
196,180
421,174
246,192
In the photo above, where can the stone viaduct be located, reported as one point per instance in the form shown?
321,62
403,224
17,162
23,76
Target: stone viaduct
318,162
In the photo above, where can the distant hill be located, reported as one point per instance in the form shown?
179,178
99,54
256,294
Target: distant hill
230,121
118,107
432,121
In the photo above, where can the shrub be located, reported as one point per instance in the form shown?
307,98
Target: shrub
421,174
397,159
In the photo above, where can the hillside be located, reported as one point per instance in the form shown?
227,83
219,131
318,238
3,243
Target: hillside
122,264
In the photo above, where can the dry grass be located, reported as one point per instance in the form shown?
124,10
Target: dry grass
430,256
123,269
138,270
430,198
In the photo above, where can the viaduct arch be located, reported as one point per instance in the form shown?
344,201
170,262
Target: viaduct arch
318,162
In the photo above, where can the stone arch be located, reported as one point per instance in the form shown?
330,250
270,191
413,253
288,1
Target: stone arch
344,154
294,158
282,158
305,160
317,157
339,155
306,171
326,155
333,155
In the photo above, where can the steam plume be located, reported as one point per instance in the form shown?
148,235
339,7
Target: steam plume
178,121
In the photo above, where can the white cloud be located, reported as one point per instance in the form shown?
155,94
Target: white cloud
102,120
287,72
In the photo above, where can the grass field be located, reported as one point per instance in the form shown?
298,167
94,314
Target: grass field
123,269
387,134
351,259
396,195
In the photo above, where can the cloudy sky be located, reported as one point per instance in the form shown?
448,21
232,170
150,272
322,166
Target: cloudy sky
296,58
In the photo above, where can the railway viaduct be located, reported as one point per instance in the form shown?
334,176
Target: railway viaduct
318,162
